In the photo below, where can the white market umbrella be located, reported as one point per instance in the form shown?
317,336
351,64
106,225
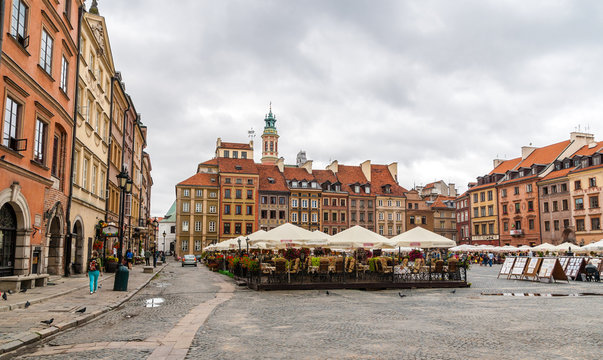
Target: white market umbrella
419,237
545,247
287,235
567,246
508,248
357,237
464,247
524,248
597,246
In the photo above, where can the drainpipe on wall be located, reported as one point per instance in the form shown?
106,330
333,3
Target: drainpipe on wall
110,142
1,26
73,137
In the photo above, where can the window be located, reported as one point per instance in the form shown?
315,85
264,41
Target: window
314,204
475,212
304,217
579,203
314,217
484,229
553,189
380,216
592,182
243,154
264,214
185,225
506,226
184,245
577,185
390,216
516,190
197,245
594,201
239,181
198,207
213,194
579,224
531,205
293,202
545,207
264,199
227,180
12,116
227,193
186,192
238,193
595,224
226,228
197,225
474,200
281,214
342,202
380,229
46,52
423,220
556,225
325,216
40,141
490,195
547,226
94,173
226,209
356,189
212,209
304,203
517,211
294,217
545,190
226,154
482,196
504,209
235,154
238,209
212,226
342,217
482,211
490,210
325,201
529,188
334,216
563,187
185,206
412,219
199,193
517,224
555,206
353,216
380,203
65,76
237,228
398,216
564,204
18,27
249,210
531,224
85,174
565,223
389,203
101,193
281,200
503,193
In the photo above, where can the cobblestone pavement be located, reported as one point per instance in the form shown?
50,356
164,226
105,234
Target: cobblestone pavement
425,324
225,323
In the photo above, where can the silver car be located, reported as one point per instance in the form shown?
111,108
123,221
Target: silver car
189,260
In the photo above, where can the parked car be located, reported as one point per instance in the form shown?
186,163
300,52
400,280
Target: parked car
189,260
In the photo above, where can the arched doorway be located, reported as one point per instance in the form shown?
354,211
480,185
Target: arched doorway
54,247
568,236
8,240
78,235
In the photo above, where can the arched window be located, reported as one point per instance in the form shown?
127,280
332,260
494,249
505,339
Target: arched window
8,236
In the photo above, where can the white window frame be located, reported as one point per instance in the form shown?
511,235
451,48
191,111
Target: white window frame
46,49
212,226
198,226
185,206
185,225
198,206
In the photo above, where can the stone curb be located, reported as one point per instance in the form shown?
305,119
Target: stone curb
28,337
41,299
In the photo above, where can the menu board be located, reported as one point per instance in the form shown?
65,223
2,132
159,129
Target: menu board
546,268
563,261
574,267
506,266
533,266
519,266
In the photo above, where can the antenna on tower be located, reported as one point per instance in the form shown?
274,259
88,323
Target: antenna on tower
251,134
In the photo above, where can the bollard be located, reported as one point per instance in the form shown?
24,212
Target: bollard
122,274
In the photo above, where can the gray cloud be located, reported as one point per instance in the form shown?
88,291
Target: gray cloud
441,87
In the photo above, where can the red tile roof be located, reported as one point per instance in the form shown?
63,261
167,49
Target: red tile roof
587,150
483,186
439,202
586,168
201,179
380,176
295,173
505,166
213,161
238,146
322,176
240,166
544,155
271,171
349,175
557,173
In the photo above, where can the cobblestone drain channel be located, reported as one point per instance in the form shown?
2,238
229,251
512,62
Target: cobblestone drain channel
175,344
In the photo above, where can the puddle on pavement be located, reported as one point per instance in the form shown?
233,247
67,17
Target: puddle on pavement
154,302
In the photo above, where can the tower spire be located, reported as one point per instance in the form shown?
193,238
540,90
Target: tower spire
94,8
270,138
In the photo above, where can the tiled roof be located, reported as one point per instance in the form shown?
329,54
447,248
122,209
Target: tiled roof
322,176
557,173
505,166
587,151
519,179
544,155
241,166
439,202
380,176
239,146
483,186
429,186
213,161
271,171
586,169
297,173
349,175
201,179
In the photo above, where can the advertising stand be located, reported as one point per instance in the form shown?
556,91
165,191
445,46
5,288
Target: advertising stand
551,271
531,271
519,267
575,267
506,267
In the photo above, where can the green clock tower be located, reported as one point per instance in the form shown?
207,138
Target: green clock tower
269,140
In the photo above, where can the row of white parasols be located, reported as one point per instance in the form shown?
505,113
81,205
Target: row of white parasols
565,247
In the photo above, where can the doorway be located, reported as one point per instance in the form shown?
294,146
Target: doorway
8,240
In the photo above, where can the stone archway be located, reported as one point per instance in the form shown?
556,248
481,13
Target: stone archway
79,248
8,239
19,206
55,247
568,236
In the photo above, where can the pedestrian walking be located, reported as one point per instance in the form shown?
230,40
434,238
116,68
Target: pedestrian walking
490,258
94,271
129,258
147,257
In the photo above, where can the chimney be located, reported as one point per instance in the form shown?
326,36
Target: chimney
393,170
451,190
366,169
280,163
582,138
497,162
308,166
526,151
334,166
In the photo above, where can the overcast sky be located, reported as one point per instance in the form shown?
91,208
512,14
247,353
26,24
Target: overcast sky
441,87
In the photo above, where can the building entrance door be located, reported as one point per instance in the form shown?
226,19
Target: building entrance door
8,239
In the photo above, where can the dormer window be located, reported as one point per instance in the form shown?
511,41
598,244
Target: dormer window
314,185
576,162
294,183
558,166
238,167
356,189
367,189
304,184
271,180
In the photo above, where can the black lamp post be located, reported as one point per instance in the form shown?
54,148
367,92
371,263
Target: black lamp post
239,241
121,276
155,233
247,243
164,242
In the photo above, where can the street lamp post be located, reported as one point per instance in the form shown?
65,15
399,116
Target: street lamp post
156,234
164,241
121,276
247,243
239,241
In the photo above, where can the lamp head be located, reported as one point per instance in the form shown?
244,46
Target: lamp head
128,185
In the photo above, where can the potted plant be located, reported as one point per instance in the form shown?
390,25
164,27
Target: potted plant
111,264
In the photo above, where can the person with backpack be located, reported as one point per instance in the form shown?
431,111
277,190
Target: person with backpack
94,271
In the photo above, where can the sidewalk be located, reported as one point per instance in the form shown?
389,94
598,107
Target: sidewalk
20,326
